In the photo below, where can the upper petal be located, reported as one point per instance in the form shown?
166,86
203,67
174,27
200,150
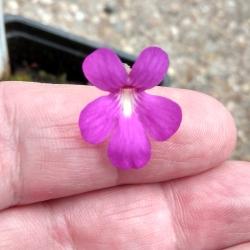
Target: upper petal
149,69
104,69
129,146
160,117
98,118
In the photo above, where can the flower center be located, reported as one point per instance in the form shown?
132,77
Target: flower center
127,101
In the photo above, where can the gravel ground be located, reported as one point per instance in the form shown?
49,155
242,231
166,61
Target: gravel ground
208,42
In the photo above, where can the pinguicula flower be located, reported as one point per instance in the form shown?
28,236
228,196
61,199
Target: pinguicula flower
128,115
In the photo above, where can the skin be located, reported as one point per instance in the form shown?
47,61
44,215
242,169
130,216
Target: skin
59,192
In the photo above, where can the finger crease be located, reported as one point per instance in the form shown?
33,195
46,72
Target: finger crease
59,228
10,144
174,206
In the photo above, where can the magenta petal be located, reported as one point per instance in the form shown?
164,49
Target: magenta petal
98,118
149,69
161,117
129,146
104,69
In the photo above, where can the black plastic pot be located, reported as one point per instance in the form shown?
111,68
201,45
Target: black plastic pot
45,48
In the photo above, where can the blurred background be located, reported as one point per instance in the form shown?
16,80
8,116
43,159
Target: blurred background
208,42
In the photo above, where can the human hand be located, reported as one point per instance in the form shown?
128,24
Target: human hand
59,192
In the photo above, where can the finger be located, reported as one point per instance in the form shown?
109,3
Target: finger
43,156
207,211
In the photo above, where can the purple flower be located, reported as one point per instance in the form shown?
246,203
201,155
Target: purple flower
128,114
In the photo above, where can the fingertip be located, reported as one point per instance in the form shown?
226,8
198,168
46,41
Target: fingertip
205,138
202,110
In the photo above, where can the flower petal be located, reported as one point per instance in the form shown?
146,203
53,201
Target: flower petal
129,146
104,69
98,118
160,117
149,69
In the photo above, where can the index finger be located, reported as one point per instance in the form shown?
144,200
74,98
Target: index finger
42,155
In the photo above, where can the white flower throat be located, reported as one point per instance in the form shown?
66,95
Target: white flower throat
127,101
127,97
